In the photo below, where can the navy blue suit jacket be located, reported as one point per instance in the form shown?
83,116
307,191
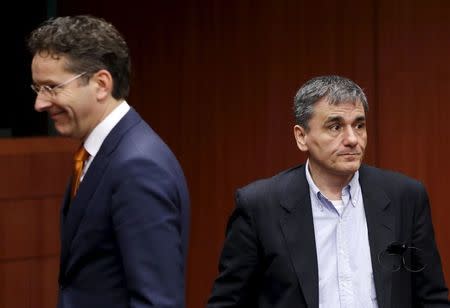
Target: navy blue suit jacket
124,236
269,258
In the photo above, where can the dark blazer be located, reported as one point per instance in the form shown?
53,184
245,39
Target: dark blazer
269,256
124,236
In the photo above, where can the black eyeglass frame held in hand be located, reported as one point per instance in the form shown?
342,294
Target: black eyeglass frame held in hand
401,250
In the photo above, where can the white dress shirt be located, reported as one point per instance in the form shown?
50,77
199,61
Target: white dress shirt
95,139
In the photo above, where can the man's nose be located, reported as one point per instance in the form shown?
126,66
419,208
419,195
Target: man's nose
41,103
350,137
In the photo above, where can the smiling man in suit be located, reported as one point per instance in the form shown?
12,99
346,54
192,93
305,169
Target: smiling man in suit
332,233
124,220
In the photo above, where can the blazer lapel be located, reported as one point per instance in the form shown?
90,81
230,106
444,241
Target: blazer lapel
64,209
381,229
79,204
72,214
298,230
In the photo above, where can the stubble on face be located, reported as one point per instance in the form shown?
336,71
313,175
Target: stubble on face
336,139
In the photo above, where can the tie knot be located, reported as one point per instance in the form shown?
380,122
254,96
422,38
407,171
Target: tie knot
81,154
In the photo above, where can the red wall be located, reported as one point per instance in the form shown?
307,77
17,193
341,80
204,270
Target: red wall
33,177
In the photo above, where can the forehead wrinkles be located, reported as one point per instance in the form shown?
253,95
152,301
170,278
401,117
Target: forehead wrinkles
348,111
326,103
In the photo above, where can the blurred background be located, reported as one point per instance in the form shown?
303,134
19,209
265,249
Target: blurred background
216,79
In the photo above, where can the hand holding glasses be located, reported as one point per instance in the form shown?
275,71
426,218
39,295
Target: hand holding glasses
398,255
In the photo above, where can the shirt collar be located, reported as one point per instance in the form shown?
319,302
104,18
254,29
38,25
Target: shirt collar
351,189
95,139
312,185
354,188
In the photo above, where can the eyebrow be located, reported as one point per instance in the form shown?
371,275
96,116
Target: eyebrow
334,119
44,82
340,119
360,119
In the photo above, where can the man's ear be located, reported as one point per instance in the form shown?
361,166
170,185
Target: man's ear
104,84
300,137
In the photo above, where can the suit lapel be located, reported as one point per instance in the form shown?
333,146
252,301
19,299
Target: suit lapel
64,209
79,204
298,230
381,229
72,214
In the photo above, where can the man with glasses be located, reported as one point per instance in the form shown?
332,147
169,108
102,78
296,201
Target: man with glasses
124,220
331,233
52,90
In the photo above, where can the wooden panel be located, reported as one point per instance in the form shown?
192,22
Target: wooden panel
413,112
44,282
49,145
15,284
34,167
29,228
29,283
34,174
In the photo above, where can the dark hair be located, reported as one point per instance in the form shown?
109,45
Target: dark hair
89,43
335,89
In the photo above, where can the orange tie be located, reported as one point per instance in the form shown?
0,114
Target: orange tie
79,158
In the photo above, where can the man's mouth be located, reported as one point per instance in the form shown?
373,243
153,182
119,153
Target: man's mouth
55,115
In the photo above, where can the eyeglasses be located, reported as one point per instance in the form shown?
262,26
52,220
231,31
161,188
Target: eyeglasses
398,255
50,90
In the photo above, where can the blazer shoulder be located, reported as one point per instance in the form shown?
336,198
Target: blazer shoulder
388,179
269,190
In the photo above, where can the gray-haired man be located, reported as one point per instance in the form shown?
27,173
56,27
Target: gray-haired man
333,232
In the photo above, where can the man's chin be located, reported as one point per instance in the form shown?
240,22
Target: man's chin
350,167
347,167
63,130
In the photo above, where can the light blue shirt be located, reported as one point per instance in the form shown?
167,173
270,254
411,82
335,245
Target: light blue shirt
343,252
